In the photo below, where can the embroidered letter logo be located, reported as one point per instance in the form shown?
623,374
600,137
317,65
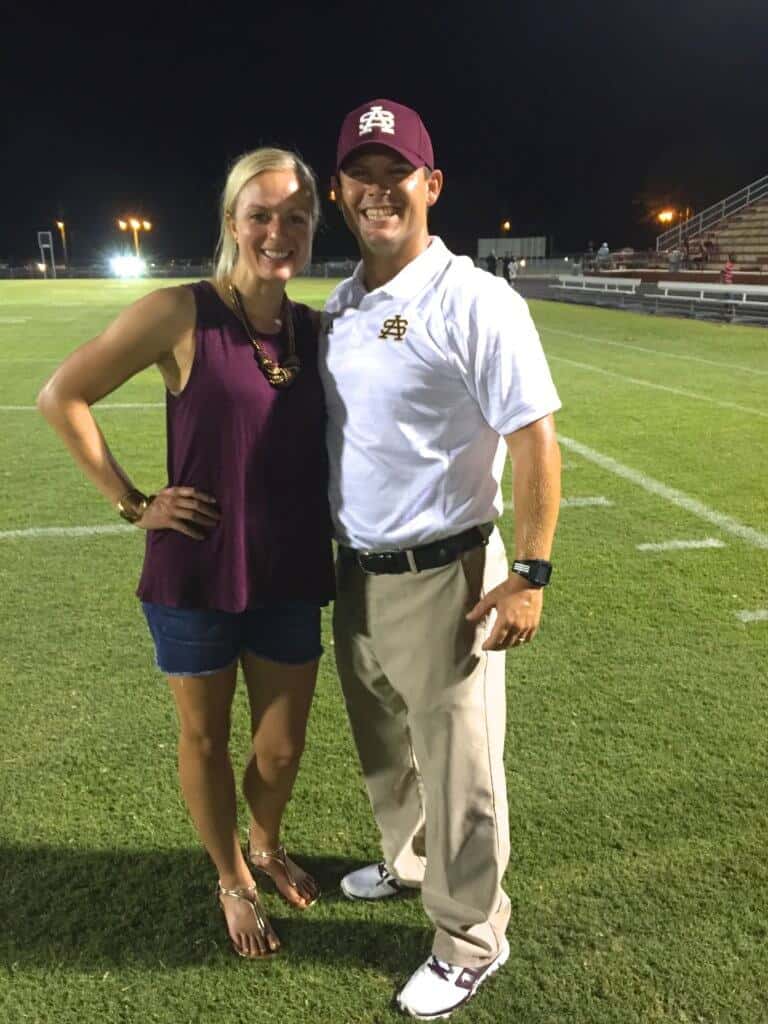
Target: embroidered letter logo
377,117
394,327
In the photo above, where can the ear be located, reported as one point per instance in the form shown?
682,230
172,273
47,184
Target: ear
231,226
434,187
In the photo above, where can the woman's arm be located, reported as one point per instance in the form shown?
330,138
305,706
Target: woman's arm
151,331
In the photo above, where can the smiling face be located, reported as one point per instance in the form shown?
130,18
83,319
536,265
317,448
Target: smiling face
384,200
272,225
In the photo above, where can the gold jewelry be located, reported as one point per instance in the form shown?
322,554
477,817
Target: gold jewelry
134,504
279,376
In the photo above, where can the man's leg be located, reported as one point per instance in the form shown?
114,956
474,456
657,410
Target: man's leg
379,721
455,694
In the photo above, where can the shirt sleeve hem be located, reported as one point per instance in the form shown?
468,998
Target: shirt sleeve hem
524,418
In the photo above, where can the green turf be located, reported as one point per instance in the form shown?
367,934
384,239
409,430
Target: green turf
637,755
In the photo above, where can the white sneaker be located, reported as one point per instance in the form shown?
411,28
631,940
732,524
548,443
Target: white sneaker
438,988
373,882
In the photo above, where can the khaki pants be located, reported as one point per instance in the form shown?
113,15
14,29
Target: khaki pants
427,708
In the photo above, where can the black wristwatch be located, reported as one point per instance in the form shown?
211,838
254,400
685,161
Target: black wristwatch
535,570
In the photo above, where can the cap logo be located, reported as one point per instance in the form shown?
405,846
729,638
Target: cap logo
377,117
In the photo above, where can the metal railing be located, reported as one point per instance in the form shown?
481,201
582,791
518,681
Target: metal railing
714,214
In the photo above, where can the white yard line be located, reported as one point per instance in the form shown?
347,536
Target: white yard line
657,351
64,531
99,406
661,387
575,503
4,320
761,615
697,508
585,502
682,545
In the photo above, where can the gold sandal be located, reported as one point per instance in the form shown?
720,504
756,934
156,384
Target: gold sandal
249,894
280,856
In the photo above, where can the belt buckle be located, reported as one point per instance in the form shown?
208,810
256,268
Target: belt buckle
359,556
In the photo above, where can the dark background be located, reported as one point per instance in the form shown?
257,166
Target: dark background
575,121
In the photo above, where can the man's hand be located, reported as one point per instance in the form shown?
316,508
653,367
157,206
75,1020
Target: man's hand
518,612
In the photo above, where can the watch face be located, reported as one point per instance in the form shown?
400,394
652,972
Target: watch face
540,573
536,570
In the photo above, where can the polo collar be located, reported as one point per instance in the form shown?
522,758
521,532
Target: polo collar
414,275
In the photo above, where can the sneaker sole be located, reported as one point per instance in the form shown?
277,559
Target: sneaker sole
500,960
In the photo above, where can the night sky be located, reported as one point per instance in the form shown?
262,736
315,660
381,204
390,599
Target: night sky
569,119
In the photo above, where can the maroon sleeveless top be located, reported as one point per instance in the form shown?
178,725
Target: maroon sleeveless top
261,453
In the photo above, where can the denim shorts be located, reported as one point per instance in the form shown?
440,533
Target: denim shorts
198,642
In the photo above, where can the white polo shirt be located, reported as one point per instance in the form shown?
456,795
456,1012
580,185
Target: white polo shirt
421,377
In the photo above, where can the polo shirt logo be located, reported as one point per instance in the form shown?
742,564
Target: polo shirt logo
394,327
377,117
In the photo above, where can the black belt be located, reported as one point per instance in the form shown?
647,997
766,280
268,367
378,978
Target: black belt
426,556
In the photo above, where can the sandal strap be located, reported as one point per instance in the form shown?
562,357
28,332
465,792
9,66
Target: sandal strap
248,894
280,856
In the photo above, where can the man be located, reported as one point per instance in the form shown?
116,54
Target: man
512,268
428,363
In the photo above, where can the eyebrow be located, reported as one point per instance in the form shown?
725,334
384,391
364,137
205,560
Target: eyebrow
260,206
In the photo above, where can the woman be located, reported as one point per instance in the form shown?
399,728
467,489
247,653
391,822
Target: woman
238,558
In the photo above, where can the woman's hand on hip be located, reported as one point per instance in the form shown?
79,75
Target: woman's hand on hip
183,509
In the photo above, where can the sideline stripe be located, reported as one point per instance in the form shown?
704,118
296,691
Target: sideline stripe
12,320
692,505
64,531
682,545
656,351
761,615
98,405
662,387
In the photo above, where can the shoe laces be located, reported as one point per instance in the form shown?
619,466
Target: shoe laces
440,967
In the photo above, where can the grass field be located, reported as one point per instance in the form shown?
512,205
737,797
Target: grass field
637,754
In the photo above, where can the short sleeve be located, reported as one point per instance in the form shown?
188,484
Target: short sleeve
496,349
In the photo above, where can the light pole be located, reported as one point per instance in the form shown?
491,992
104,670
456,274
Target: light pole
135,226
63,232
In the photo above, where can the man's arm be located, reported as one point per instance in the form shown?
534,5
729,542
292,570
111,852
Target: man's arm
536,463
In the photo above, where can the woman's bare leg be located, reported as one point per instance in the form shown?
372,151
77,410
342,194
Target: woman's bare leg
203,704
280,698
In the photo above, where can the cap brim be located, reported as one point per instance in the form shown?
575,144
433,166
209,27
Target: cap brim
413,158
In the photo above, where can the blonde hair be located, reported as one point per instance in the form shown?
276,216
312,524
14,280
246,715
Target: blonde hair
240,173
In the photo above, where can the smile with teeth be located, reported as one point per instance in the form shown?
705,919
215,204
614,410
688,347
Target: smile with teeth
379,212
276,254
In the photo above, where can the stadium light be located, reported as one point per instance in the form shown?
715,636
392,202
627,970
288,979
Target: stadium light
135,226
127,266
63,232
666,216
506,227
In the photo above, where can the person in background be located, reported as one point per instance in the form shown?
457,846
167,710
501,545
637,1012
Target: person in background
728,270
433,371
512,268
238,559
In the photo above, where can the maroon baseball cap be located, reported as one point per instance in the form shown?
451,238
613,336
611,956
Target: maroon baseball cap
386,124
